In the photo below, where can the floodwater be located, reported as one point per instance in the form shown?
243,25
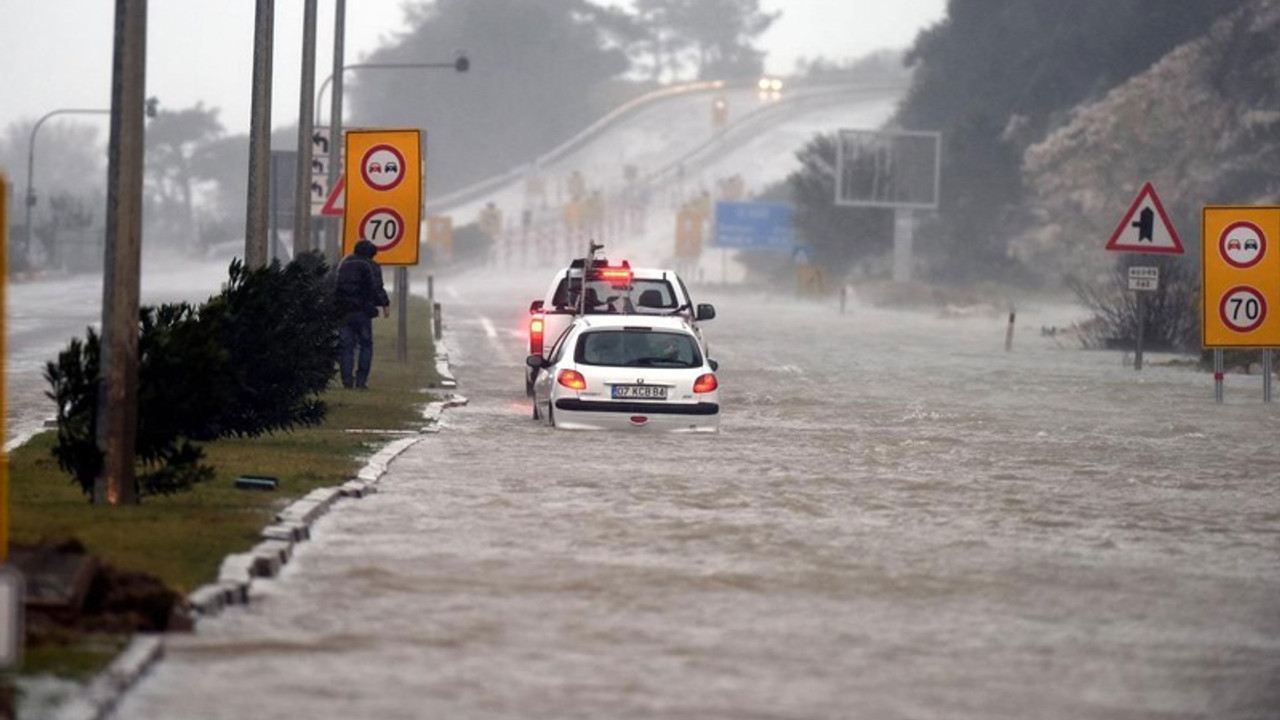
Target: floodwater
899,519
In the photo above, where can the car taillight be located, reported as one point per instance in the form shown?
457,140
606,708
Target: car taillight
572,379
535,335
705,383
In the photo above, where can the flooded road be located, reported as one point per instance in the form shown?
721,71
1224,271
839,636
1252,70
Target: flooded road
899,519
43,317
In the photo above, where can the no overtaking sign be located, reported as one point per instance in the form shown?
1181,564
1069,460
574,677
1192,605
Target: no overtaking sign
1241,271
384,193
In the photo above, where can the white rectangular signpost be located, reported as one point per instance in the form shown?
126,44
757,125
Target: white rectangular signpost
1144,278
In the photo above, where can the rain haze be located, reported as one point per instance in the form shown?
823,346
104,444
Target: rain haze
203,52
962,467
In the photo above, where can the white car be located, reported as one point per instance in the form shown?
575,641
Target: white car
610,289
631,372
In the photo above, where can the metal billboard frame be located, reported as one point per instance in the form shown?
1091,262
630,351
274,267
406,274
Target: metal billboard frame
886,145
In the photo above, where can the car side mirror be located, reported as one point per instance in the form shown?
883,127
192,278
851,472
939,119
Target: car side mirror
535,306
536,361
715,365
706,311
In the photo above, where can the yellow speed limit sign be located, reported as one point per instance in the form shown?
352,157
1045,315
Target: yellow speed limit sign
384,193
1241,276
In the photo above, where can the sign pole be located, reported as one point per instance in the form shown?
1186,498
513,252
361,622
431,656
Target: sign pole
1217,375
904,223
1142,322
1266,375
402,308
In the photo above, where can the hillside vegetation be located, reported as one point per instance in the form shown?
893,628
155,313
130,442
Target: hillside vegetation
1202,124
1053,115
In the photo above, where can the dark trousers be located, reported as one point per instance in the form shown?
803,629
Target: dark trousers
355,339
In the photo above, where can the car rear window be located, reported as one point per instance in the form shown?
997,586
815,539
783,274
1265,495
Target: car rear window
645,295
638,348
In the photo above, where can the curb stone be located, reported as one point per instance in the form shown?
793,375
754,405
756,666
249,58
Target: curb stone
238,571
102,695
293,525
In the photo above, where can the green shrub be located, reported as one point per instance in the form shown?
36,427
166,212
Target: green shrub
252,360
279,327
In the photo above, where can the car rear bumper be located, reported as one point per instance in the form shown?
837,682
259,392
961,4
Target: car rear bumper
574,414
641,408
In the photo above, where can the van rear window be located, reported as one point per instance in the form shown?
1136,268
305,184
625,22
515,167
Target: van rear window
651,295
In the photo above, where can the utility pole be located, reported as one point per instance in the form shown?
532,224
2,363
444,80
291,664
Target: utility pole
255,233
302,210
333,244
117,416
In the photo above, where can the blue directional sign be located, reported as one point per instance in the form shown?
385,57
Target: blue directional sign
752,226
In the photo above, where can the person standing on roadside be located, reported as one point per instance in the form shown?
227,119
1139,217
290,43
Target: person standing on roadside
359,293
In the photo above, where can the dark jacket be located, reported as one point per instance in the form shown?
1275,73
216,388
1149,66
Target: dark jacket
359,287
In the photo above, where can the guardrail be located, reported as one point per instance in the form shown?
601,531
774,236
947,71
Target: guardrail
489,185
735,134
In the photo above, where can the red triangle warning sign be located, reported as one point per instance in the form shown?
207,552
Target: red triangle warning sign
1146,227
337,199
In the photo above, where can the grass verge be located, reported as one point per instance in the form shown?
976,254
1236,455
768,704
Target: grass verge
182,539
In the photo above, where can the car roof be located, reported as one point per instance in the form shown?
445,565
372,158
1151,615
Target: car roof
652,273
655,322
640,272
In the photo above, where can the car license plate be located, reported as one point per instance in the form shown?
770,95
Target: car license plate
640,392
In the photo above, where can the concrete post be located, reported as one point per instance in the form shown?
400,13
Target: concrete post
333,241
255,233
302,211
117,413
903,237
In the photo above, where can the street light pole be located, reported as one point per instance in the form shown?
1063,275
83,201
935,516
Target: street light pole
255,232
302,196
30,200
460,64
31,164
333,236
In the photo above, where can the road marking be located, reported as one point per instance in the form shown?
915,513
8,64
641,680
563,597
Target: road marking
489,329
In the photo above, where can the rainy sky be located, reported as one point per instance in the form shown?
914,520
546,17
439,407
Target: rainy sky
59,52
